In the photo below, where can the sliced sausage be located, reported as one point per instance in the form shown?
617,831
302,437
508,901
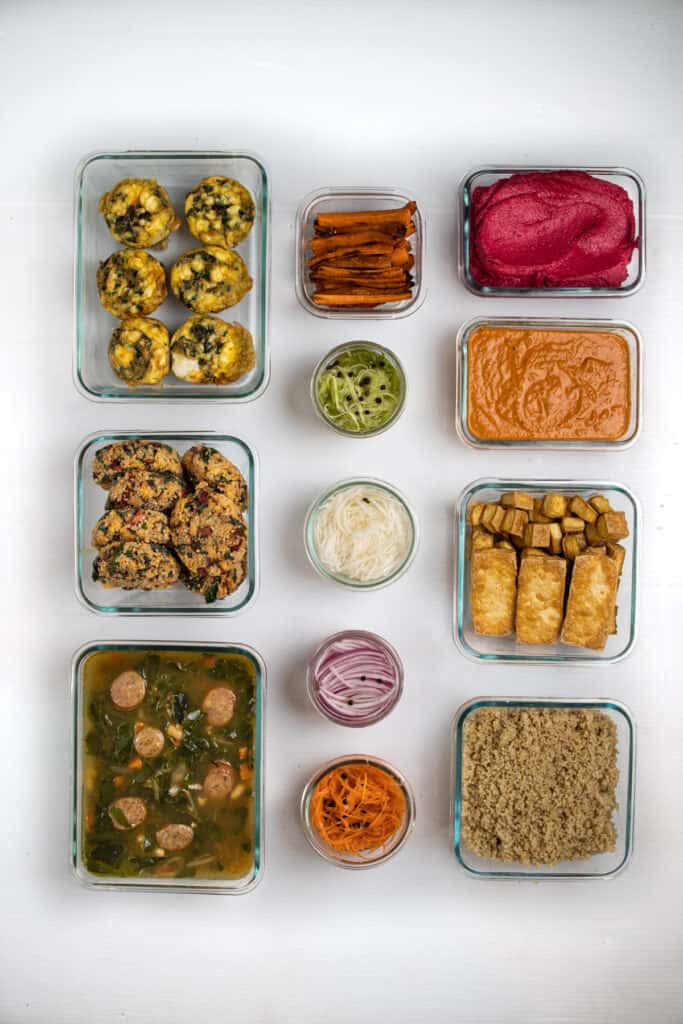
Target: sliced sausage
174,837
220,778
133,810
128,690
149,742
219,705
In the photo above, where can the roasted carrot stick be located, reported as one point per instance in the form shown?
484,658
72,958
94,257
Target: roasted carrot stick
372,249
331,243
335,221
367,262
359,298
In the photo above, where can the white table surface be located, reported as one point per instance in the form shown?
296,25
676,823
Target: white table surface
354,93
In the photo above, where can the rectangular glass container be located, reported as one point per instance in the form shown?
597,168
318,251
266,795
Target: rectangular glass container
506,649
341,200
604,865
233,886
625,330
178,172
90,501
627,179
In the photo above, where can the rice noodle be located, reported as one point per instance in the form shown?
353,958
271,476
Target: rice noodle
363,533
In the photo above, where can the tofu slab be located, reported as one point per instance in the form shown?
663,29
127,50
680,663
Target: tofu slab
540,599
493,588
591,602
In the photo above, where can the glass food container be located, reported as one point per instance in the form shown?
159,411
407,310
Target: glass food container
356,861
178,172
605,865
341,200
323,706
382,353
622,328
309,532
484,176
506,649
234,886
90,501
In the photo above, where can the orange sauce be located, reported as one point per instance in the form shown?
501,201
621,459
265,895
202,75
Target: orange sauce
533,385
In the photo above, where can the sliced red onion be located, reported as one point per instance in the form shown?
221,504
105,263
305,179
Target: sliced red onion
355,678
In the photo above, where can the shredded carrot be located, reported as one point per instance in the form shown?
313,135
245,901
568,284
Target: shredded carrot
357,808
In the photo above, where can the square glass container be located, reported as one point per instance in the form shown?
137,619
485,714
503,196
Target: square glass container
90,501
625,330
604,865
341,200
484,176
178,172
232,886
506,649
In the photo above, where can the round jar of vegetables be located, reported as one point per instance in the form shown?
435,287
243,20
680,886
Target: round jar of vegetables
359,389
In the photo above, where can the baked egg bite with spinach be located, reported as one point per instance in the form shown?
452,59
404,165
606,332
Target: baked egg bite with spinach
211,279
131,283
220,211
139,213
207,350
136,565
140,351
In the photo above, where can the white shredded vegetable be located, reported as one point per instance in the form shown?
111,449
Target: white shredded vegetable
362,533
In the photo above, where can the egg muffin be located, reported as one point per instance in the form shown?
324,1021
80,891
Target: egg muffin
134,565
203,464
137,524
139,213
220,211
135,453
206,350
131,283
138,488
140,351
210,279
207,527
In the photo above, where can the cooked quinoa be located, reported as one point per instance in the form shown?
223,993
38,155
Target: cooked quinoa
538,784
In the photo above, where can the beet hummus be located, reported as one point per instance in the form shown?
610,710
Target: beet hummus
551,229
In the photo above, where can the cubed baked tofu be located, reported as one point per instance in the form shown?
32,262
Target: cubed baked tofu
591,602
613,526
540,599
517,499
493,589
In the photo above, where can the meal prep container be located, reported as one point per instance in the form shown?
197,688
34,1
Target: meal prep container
341,200
309,526
232,886
625,330
339,350
506,649
604,865
178,172
356,861
627,179
353,634
90,501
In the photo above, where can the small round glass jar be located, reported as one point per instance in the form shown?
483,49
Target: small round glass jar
347,581
382,353
371,639
368,859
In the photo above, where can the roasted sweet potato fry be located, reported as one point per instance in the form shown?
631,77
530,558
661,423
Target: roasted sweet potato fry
359,298
338,221
371,249
333,243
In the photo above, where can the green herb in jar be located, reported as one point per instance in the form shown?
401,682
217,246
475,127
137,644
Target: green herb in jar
359,391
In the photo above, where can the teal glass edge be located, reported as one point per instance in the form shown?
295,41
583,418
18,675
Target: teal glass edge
80,534
116,395
461,537
93,648
456,753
